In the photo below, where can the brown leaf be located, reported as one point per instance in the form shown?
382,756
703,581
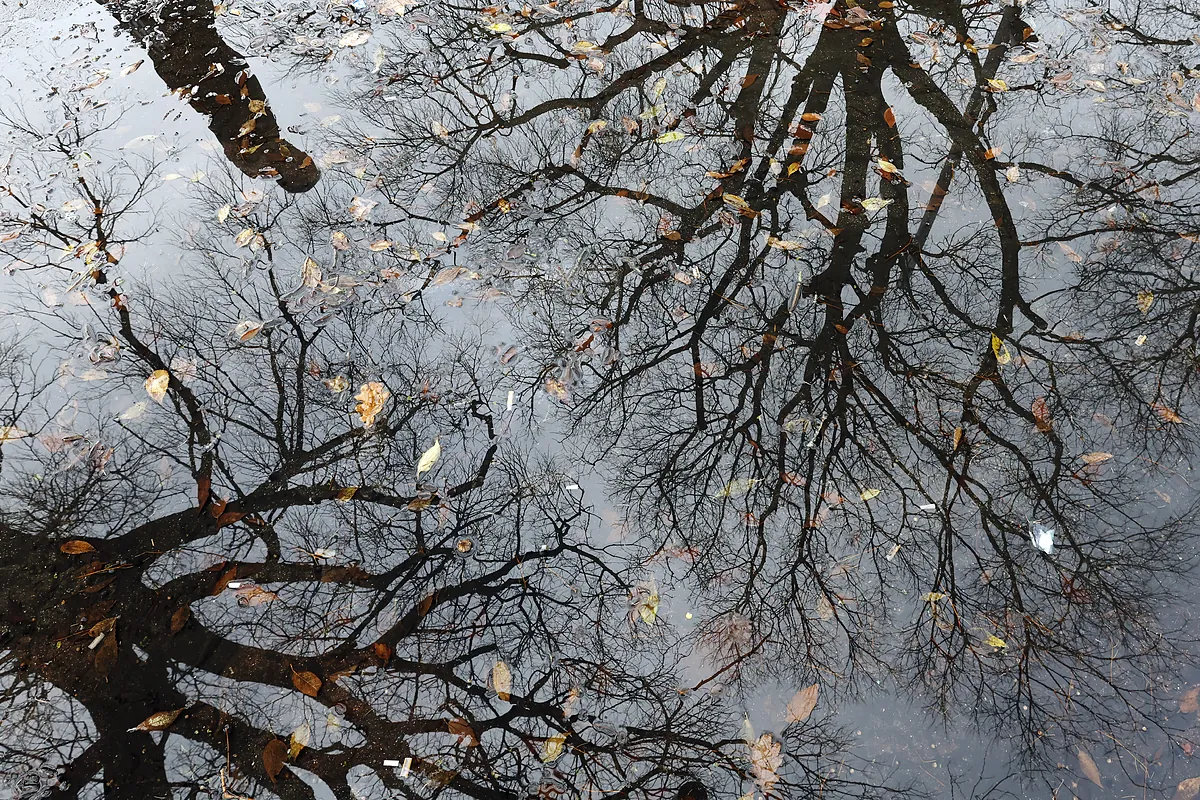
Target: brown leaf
382,651
306,682
1189,702
158,721
1096,458
76,547
889,117
1041,415
1166,414
273,755
180,618
106,655
224,580
749,80
1089,768
1187,789
462,729
229,517
203,490
801,706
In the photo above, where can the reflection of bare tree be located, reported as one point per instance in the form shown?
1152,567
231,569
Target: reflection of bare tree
245,554
867,402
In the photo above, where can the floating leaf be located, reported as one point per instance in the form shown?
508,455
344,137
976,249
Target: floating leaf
1000,350
247,329
875,203
784,244
1145,299
273,755
502,680
9,433
244,238
669,136
132,68
801,706
1096,458
76,547
158,721
1166,414
429,457
354,38
463,730
995,641
156,384
361,207
1041,415
933,597
306,682
371,397
889,117
1089,768
1187,789
647,608
766,757
553,747
299,740
180,618
736,487
997,84
868,494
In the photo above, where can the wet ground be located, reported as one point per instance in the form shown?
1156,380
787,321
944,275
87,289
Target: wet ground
654,399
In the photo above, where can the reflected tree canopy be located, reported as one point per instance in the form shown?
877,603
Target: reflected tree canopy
630,370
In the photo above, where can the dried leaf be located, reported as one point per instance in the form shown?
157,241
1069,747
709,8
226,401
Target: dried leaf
868,494
76,547
106,655
502,680
382,651
1145,299
801,706
1187,789
180,618
273,755
430,457
360,207
553,747
156,384
1041,415
463,730
354,38
1167,414
244,238
1089,768
299,740
766,757
1189,702
371,397
647,608
889,117
158,721
995,641
306,682
1096,458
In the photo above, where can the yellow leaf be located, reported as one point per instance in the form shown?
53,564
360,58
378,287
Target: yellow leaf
552,748
9,433
1144,300
158,721
430,457
345,494
156,384
1096,458
888,167
595,126
868,494
502,680
648,609
669,136
737,202
382,244
299,740
244,238
998,85
500,27
1000,350
371,397
933,597
995,641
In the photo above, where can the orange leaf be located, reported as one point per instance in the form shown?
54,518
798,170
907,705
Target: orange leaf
307,683
76,547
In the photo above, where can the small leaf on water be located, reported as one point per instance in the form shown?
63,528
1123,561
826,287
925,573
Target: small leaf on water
430,457
156,384
306,682
273,756
875,203
552,748
1041,415
158,721
801,706
889,117
933,597
371,397
1145,299
1000,350
180,618
1089,768
244,238
502,680
995,641
76,547
1187,789
997,84
647,608
1166,413
299,740
1096,458
669,136
868,494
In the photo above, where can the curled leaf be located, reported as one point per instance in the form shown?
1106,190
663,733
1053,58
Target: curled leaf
158,721
371,397
76,547
156,384
430,457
